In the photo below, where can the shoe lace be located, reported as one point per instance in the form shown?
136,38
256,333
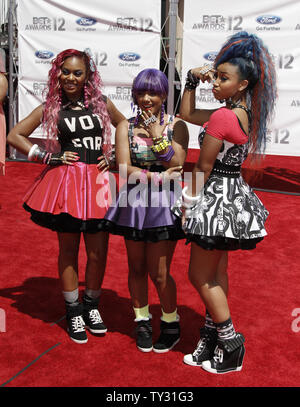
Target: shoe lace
200,346
219,353
78,323
95,316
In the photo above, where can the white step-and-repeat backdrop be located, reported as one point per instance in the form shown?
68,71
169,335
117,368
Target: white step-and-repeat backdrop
124,37
207,25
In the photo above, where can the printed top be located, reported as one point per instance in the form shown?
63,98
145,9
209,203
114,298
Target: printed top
140,147
80,131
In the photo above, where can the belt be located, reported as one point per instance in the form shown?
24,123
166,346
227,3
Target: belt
229,171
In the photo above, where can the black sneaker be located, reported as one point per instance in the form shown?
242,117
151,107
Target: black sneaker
75,324
229,355
205,348
91,315
144,336
168,338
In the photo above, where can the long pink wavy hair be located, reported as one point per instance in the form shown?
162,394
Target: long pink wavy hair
93,95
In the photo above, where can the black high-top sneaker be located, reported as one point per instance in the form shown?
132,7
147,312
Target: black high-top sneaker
168,338
229,355
91,315
75,323
144,335
205,348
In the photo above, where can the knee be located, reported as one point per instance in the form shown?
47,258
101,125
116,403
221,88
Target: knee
95,256
159,278
137,271
68,254
200,280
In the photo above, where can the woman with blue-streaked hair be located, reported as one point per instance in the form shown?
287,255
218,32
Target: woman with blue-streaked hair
150,149
224,214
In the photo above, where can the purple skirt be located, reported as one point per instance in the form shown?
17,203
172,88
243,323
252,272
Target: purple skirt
143,213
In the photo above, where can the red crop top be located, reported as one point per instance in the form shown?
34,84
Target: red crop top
223,124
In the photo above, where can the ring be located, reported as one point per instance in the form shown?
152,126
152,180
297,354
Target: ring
151,119
206,69
64,157
106,160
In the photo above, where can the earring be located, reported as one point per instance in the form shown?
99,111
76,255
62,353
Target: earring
162,114
138,113
85,93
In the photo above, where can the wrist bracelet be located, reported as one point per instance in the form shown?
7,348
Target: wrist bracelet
191,81
188,199
36,154
167,156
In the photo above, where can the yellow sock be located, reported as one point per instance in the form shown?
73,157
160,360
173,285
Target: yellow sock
171,317
141,313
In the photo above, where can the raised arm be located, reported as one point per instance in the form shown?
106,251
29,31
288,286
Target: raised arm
188,111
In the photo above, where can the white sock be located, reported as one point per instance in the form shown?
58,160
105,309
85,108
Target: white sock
71,297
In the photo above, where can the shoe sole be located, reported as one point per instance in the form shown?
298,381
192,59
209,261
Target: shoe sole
96,331
238,369
145,349
78,340
191,363
165,350
215,371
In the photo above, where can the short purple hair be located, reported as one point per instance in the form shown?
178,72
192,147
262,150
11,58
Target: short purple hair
152,80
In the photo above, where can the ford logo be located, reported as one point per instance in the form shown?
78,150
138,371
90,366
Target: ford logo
210,56
86,21
129,56
268,19
44,54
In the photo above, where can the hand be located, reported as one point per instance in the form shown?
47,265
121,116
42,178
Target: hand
204,73
69,157
103,165
172,173
152,125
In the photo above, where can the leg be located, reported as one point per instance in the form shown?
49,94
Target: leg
68,260
206,266
138,275
159,257
96,245
221,275
138,288
212,284
68,272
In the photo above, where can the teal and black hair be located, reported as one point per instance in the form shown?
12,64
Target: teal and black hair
251,56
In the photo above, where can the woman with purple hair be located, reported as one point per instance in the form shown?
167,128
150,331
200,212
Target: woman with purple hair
71,195
243,77
150,151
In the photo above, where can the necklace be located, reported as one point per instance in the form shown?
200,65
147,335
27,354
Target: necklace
237,105
74,103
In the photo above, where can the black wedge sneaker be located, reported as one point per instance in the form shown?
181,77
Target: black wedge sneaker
228,356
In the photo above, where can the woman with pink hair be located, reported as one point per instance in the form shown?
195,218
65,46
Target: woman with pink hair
72,194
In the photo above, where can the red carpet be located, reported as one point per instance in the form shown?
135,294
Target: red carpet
36,351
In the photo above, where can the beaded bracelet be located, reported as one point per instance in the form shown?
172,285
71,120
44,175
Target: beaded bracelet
156,148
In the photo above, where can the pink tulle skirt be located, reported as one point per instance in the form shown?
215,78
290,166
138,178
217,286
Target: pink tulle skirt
78,190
